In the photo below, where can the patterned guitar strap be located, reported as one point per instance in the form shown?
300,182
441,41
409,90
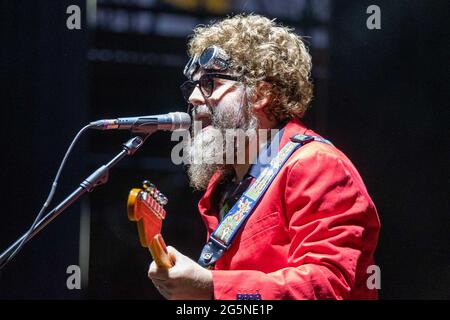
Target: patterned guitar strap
223,236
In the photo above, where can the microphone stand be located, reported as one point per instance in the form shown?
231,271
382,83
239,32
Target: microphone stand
97,178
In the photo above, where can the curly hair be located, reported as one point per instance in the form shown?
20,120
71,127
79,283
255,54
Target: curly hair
262,50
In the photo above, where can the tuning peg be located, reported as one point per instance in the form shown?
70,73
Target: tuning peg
159,195
154,193
147,185
164,200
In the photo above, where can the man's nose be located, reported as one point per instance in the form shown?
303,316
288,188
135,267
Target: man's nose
196,97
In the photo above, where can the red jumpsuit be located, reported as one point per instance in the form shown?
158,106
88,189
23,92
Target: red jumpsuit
312,236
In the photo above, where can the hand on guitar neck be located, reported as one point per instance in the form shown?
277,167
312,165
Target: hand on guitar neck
160,255
186,279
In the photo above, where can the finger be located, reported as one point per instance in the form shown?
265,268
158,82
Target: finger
157,273
172,250
162,289
165,295
174,254
173,258
159,285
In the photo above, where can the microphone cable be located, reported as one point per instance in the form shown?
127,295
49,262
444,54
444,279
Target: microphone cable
48,200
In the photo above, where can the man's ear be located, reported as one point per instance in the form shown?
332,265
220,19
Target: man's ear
262,97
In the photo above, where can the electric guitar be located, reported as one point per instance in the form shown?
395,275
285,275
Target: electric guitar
146,207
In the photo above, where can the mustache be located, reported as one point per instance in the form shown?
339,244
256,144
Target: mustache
221,119
203,114
201,111
229,115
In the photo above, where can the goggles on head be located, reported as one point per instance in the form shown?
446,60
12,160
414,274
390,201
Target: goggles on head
212,58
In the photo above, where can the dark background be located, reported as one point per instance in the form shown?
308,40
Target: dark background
380,96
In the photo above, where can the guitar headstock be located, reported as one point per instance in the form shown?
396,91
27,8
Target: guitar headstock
146,207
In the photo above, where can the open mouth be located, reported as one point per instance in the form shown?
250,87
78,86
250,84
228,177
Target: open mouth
205,118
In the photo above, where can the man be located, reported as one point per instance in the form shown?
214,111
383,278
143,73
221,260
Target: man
312,229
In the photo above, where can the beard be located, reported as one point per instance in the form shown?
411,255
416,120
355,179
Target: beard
208,150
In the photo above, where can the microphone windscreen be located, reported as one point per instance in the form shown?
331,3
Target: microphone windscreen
181,120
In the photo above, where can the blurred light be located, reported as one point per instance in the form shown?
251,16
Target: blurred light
320,38
321,10
175,25
91,12
138,3
85,240
292,9
135,57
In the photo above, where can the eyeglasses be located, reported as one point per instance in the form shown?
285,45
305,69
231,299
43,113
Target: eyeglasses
206,84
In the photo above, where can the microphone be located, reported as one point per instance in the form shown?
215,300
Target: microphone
146,124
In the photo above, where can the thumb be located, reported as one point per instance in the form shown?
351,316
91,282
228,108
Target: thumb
174,254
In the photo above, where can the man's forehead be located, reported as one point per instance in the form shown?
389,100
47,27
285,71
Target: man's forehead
201,72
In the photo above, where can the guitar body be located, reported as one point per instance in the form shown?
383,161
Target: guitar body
145,207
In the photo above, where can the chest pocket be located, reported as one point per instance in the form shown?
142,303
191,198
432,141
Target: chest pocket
258,229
